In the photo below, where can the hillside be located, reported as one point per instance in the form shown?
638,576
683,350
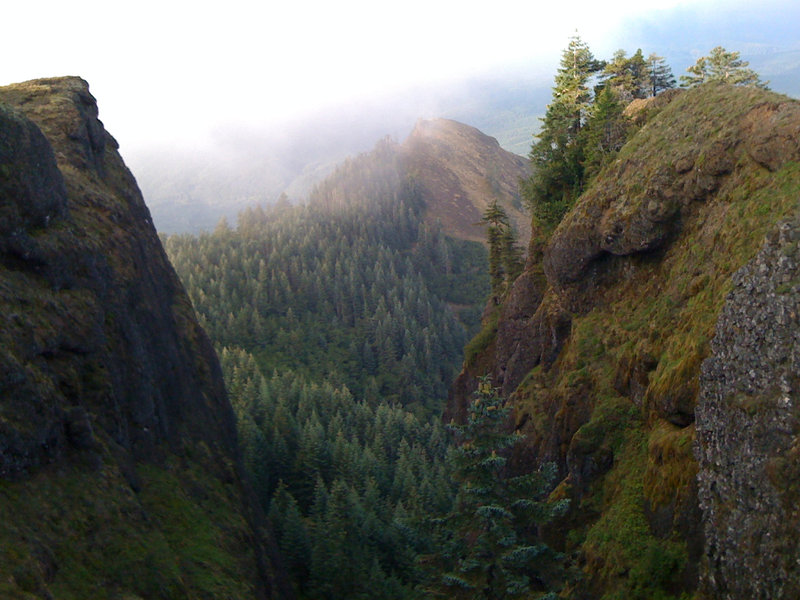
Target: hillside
338,343
119,468
455,169
459,171
649,350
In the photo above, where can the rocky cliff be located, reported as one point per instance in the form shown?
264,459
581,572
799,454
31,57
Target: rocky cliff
119,475
748,430
599,346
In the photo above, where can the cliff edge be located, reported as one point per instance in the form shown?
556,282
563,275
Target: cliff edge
118,451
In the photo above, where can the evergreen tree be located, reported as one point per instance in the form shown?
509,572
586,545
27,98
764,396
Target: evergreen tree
490,549
606,131
505,258
557,156
721,66
628,76
659,74
291,535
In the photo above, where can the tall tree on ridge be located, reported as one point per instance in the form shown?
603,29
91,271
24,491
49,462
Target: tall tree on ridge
557,156
659,74
505,261
721,66
627,76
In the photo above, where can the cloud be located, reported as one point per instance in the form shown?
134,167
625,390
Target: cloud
167,69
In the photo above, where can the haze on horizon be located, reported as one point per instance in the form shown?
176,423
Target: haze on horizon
177,72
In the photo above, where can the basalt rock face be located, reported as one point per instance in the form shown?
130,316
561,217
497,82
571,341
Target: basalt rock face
118,449
598,346
748,429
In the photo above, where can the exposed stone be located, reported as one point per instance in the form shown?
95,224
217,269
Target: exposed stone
748,424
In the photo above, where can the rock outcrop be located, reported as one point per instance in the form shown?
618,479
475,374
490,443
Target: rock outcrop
748,429
118,448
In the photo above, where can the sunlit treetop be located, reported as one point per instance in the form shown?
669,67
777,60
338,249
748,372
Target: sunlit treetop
721,66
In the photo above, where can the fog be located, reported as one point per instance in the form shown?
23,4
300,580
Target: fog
216,106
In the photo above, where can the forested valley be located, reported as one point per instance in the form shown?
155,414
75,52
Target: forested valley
340,325
342,322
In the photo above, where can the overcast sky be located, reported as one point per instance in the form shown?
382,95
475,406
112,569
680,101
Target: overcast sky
174,69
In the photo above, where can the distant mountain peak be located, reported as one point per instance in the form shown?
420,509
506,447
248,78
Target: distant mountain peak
461,170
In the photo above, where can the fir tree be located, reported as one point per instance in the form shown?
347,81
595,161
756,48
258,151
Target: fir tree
721,66
489,546
606,131
557,155
627,76
659,74
505,258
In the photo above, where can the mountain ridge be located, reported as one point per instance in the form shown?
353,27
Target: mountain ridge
460,170
455,169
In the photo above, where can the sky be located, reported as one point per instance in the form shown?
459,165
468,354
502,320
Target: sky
175,70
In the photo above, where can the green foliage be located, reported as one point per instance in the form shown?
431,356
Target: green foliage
348,481
557,156
505,257
581,133
627,76
659,74
338,344
606,130
488,548
356,293
721,66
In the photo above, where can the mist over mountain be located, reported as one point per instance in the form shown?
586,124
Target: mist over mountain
189,189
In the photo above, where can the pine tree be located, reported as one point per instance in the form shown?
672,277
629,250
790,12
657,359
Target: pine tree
721,66
489,549
557,156
659,74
